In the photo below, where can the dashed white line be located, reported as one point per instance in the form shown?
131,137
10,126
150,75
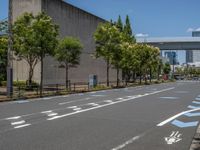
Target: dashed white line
46,112
52,114
100,106
21,126
18,122
85,99
93,104
122,146
13,118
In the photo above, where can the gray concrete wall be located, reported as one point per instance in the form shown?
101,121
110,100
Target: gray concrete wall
78,23
73,22
20,68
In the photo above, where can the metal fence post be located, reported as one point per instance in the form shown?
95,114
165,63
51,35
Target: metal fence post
56,88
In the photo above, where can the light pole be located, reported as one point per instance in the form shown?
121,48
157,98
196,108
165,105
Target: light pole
9,53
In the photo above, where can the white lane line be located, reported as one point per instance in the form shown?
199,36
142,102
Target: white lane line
46,112
100,106
85,99
21,126
108,101
119,98
176,116
18,122
122,146
52,114
13,118
72,107
93,104
76,109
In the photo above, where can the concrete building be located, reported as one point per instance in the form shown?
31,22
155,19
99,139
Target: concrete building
194,55
75,22
172,57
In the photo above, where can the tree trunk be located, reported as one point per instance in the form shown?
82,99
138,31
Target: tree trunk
30,76
140,76
117,76
150,70
41,76
108,68
67,76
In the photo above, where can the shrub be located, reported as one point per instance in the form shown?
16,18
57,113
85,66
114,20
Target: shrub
19,83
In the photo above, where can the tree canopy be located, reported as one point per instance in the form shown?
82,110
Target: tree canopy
68,52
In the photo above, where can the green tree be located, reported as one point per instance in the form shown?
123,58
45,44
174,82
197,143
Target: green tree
105,38
166,69
130,59
119,24
68,52
153,60
24,42
128,33
3,57
45,36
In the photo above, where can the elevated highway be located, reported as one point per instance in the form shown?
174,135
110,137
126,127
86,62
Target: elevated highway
173,43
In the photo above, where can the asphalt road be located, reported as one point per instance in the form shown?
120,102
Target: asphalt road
156,117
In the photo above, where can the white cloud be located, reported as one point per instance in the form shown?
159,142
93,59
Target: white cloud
141,35
198,29
192,29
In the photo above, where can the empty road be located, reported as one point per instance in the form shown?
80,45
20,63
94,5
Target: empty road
155,117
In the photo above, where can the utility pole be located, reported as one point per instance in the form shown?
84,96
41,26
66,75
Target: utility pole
9,53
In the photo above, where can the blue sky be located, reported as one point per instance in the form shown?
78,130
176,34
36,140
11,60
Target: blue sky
157,18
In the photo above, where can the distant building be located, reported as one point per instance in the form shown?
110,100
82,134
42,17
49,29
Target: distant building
172,57
193,55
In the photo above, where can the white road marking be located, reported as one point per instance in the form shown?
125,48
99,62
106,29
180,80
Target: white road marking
93,104
176,116
108,101
85,99
18,122
76,109
21,126
52,114
173,138
119,98
100,106
122,146
46,112
72,107
13,118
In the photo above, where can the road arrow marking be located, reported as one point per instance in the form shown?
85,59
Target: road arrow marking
184,124
173,138
192,114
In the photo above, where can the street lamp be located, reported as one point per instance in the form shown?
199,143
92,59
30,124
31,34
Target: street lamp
9,53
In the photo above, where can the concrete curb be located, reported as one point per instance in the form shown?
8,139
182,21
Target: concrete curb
196,140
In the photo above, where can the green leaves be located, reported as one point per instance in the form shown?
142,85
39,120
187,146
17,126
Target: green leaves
69,50
3,57
166,68
34,38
